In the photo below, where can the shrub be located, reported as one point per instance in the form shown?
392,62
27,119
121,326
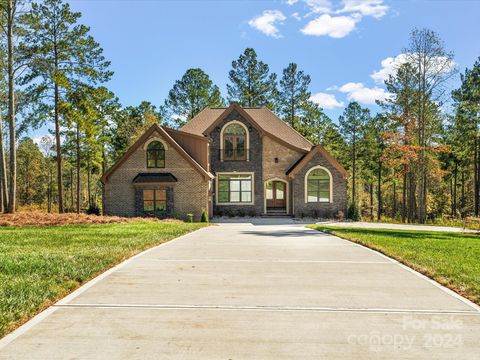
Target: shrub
204,216
93,209
353,212
190,217
340,215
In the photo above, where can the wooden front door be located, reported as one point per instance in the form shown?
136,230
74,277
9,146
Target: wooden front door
276,195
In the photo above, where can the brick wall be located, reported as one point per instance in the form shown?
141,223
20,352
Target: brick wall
254,165
323,210
286,158
190,194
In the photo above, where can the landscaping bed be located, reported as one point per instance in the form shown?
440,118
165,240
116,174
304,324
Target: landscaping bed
41,264
452,259
38,218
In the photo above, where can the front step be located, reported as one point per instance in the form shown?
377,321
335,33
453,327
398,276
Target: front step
276,213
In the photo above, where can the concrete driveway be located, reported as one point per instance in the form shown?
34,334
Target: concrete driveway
240,291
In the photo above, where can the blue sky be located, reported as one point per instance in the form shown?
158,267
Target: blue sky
341,44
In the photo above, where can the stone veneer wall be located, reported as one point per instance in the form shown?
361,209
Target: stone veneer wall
190,194
323,210
286,158
254,165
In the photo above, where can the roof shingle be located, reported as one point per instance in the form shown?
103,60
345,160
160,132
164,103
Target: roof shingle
266,119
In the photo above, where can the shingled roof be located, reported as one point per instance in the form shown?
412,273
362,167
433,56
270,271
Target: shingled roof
265,119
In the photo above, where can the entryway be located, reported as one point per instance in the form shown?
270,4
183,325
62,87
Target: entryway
276,197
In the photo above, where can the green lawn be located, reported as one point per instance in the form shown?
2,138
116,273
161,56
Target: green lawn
452,259
39,265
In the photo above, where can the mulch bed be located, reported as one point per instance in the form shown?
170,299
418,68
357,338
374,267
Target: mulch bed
38,218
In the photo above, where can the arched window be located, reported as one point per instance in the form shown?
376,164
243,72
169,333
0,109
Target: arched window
155,155
318,185
234,142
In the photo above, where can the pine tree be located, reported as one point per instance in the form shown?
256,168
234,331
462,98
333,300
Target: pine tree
252,85
190,95
433,65
63,55
293,97
351,123
466,126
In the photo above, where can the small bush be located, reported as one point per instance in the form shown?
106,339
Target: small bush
340,215
353,212
190,217
93,209
204,216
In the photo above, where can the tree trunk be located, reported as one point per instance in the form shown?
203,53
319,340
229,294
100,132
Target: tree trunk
89,184
354,156
104,169
72,197
3,171
404,195
50,187
411,201
58,146
11,108
379,190
371,201
462,202
394,200
78,168
454,194
476,181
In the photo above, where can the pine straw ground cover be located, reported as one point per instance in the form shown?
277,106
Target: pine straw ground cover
41,264
39,218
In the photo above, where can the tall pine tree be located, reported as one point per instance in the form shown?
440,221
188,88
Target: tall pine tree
64,55
293,96
190,95
252,84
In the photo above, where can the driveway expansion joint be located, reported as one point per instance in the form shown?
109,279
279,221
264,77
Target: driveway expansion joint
269,308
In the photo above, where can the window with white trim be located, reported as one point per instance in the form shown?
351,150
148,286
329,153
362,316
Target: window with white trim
318,185
235,188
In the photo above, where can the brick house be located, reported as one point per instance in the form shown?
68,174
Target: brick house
228,161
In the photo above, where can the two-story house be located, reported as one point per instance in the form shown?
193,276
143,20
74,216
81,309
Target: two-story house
228,161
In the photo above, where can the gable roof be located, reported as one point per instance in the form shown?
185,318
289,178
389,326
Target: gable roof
317,149
261,118
141,140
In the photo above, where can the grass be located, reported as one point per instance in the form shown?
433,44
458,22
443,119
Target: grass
470,222
40,265
452,259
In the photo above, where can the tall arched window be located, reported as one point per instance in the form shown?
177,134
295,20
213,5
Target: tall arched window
318,185
155,155
234,142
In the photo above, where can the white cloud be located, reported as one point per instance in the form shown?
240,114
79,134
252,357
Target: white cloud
266,23
291,2
296,16
359,92
391,64
319,6
335,27
374,8
326,101
340,26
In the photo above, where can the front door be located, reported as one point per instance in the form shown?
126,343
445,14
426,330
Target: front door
276,195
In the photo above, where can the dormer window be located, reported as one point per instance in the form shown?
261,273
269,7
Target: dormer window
155,155
234,141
